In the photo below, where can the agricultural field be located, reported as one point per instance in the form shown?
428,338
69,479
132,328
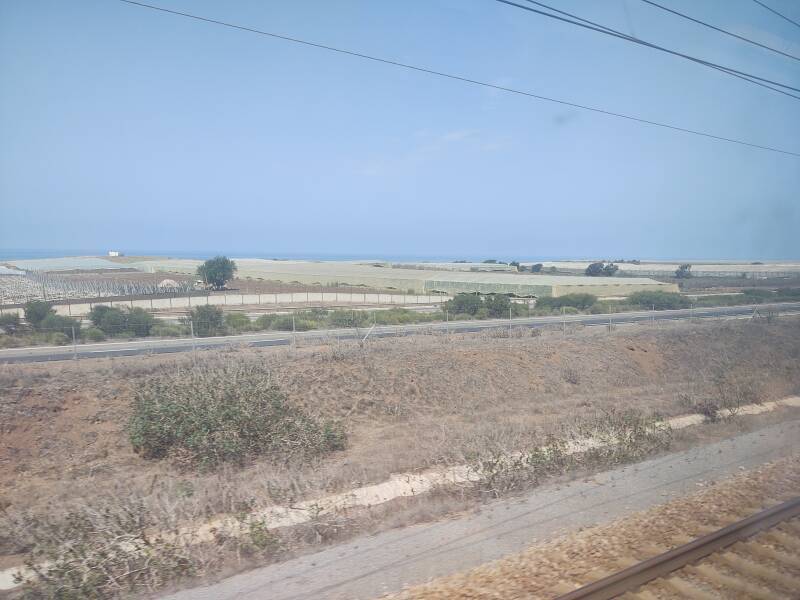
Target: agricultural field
345,415
55,286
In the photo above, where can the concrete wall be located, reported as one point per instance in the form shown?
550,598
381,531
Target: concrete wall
81,309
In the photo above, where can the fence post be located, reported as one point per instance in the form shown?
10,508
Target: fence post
191,331
294,333
69,308
74,345
564,319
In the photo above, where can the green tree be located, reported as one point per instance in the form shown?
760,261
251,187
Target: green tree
537,268
684,272
36,311
217,271
601,269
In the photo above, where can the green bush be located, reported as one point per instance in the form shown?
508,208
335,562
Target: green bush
238,322
94,334
659,300
36,311
58,339
9,323
228,414
54,323
466,304
206,320
490,306
263,322
168,330
139,321
579,301
348,318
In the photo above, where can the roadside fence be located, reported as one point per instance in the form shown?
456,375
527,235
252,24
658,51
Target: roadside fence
82,308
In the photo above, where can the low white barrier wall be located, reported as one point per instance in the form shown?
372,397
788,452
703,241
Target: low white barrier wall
81,309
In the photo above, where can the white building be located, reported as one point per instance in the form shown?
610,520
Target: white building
115,253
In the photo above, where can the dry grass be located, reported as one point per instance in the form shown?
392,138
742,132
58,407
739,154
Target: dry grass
407,403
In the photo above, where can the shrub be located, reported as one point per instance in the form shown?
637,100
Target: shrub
683,271
168,330
579,301
139,321
348,318
103,551
109,319
467,304
94,334
206,321
36,311
537,268
263,322
659,300
58,324
227,414
9,323
238,322
497,305
58,339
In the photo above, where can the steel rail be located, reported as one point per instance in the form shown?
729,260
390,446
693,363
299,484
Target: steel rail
646,571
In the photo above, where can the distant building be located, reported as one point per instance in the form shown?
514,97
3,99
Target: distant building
115,253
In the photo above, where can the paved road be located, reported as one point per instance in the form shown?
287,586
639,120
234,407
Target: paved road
370,566
157,346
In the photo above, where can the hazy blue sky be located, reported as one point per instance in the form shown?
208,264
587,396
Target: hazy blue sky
126,128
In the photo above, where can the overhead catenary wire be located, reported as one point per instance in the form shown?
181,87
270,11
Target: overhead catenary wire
616,33
463,79
592,26
782,16
719,29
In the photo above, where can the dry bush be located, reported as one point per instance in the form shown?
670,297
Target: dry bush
104,552
623,436
571,375
224,414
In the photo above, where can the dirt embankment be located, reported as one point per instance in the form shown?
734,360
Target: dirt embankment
558,566
406,403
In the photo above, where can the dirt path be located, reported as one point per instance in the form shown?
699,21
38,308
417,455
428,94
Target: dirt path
387,562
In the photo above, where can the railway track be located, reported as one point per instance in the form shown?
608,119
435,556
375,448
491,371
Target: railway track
757,557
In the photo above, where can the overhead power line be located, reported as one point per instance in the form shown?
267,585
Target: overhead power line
591,25
772,10
715,28
485,84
